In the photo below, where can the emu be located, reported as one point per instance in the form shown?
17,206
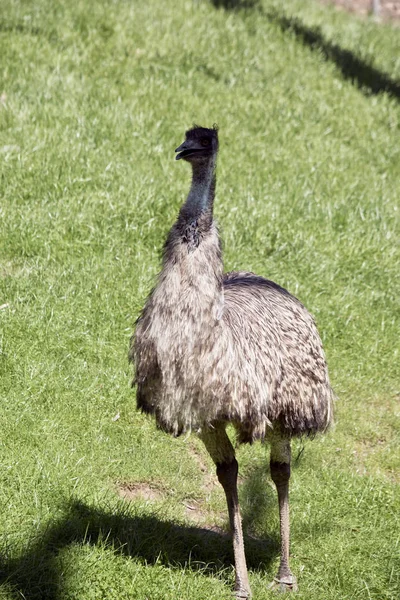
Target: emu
211,348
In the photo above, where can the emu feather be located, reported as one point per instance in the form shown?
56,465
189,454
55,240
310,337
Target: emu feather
212,348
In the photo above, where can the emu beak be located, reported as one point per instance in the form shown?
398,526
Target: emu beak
182,148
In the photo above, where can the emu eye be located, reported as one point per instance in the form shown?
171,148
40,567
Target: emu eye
204,142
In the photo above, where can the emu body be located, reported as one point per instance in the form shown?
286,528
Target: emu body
212,348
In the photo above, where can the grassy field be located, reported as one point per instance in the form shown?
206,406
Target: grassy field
94,97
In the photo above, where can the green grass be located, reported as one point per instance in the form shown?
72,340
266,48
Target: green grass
95,96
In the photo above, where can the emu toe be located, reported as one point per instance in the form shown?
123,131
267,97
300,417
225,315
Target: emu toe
242,594
284,584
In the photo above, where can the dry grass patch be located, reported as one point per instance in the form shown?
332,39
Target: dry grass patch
199,514
140,491
210,480
9,268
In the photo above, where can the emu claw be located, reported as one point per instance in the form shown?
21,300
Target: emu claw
284,584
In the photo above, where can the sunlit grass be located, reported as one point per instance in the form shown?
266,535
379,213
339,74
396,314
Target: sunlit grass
94,97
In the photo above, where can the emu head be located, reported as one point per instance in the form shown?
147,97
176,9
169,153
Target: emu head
200,144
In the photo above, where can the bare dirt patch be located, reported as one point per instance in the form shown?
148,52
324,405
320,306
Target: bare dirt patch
140,491
389,9
196,512
11,269
210,480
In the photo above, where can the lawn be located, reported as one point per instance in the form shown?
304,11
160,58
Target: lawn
95,503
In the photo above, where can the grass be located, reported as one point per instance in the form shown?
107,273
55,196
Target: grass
94,98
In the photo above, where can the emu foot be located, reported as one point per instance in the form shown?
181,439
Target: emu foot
242,591
242,594
284,584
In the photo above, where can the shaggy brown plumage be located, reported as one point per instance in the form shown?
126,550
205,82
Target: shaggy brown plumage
211,349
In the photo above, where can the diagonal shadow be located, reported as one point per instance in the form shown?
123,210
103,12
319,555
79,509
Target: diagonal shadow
27,29
235,4
364,75
36,575
359,72
19,28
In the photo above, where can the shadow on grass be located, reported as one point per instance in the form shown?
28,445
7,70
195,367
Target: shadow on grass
259,499
361,73
19,28
358,71
236,4
36,574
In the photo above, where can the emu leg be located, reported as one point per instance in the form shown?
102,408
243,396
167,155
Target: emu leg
280,473
223,454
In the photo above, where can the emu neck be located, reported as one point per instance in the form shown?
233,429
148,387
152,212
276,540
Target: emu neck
202,191
190,283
